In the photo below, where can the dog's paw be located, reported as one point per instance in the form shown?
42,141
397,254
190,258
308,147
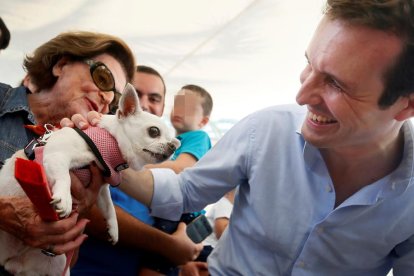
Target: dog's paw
113,236
62,204
112,232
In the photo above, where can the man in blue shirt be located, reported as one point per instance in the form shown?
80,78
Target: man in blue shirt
326,188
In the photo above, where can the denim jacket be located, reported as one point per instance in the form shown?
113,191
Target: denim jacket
14,114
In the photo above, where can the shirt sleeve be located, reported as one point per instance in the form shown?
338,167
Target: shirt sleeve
167,199
222,209
403,263
196,143
223,168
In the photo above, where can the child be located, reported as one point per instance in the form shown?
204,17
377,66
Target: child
218,214
191,112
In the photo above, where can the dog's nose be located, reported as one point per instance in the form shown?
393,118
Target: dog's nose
171,147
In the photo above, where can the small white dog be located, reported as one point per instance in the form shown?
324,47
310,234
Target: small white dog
142,138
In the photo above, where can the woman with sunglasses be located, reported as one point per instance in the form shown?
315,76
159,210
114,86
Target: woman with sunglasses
75,72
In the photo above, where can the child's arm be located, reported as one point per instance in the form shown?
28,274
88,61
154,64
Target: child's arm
220,225
184,160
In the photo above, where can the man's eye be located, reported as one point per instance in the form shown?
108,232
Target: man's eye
155,99
154,132
334,84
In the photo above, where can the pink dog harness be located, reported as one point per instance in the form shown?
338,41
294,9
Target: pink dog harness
106,150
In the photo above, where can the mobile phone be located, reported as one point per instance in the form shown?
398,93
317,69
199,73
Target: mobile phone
199,229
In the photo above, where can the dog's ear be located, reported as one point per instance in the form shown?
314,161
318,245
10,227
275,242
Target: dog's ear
129,102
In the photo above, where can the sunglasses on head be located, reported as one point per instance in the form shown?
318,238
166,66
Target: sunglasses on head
104,80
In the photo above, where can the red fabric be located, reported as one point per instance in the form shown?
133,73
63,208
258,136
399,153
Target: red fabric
38,129
32,178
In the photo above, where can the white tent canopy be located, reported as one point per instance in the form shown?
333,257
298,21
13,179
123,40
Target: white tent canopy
248,54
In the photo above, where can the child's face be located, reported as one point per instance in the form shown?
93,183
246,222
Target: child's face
187,113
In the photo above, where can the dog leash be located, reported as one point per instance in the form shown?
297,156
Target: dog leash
45,132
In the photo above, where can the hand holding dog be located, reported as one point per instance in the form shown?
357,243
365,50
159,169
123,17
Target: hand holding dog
85,197
66,234
81,122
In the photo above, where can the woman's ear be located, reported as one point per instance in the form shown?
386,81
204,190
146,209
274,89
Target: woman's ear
408,111
57,68
27,82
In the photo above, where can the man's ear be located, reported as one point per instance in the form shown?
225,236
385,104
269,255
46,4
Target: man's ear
57,68
408,111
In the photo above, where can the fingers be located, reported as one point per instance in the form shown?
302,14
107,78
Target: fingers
66,122
181,227
63,234
195,248
194,269
80,121
71,239
96,178
69,246
85,197
94,117
76,120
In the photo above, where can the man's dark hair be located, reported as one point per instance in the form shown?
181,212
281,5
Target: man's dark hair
4,35
395,17
151,71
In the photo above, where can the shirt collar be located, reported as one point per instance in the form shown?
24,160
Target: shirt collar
15,99
391,185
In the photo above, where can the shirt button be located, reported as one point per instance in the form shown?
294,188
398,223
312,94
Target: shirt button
319,230
301,264
328,188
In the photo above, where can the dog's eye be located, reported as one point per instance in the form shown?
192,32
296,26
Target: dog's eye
154,132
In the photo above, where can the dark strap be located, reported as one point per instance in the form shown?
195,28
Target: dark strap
91,144
3,272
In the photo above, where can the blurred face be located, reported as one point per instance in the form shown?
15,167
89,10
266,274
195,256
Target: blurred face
76,91
342,83
187,113
150,91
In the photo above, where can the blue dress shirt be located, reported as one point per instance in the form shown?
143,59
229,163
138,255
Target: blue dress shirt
284,221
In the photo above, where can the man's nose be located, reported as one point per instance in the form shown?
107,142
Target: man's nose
144,103
310,91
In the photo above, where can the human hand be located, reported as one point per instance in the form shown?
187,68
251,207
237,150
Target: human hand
194,269
92,119
84,198
20,219
184,249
